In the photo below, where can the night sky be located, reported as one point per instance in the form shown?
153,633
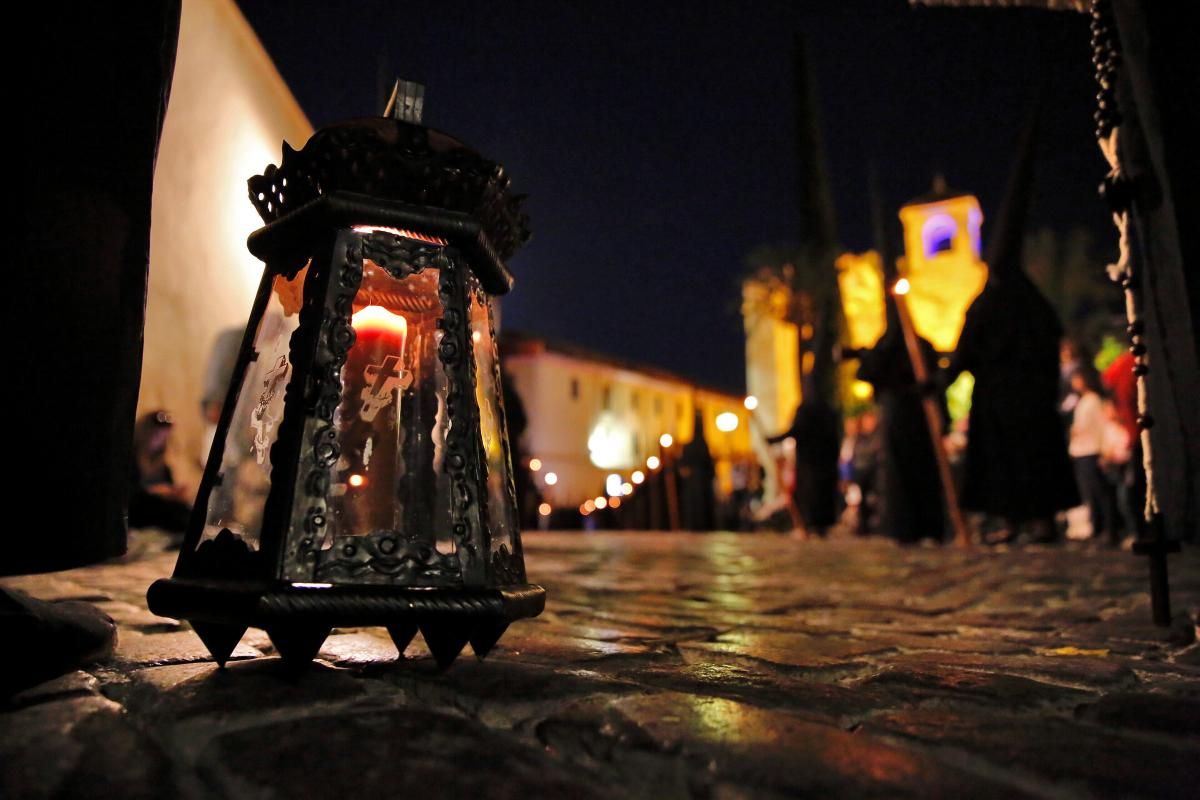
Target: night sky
655,140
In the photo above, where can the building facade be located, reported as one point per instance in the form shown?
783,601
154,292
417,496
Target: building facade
591,416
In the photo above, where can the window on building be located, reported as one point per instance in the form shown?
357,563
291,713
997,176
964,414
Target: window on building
938,234
606,398
574,388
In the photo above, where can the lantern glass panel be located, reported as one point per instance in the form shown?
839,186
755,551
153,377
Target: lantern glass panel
236,500
392,422
502,522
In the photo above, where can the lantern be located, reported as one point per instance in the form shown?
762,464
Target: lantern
360,472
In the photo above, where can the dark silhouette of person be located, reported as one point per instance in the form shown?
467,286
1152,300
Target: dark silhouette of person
155,500
815,429
1016,464
697,471
1016,461
911,490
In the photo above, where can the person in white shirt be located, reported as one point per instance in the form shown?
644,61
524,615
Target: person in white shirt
1088,425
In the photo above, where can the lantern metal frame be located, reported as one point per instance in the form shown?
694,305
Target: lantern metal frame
290,585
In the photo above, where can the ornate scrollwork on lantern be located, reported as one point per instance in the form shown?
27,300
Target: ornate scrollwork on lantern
405,162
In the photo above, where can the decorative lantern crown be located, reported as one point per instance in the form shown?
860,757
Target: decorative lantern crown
360,473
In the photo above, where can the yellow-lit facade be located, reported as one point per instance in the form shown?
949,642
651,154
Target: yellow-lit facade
772,352
590,416
942,264
944,271
228,115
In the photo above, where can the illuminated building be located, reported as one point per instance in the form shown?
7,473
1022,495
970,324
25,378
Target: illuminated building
591,416
229,109
942,262
944,272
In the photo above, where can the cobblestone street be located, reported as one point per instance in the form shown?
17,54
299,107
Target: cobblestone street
665,665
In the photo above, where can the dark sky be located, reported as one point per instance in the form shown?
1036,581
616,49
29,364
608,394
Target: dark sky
655,139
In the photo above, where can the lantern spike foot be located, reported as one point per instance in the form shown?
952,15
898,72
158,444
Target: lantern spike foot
298,645
445,639
485,636
402,634
219,638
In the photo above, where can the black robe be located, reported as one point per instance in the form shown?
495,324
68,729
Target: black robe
1016,463
818,445
697,506
911,488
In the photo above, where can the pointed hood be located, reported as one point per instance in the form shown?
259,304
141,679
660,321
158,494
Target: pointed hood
816,218
1005,248
883,246
819,381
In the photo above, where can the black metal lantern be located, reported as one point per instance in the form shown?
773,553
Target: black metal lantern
360,473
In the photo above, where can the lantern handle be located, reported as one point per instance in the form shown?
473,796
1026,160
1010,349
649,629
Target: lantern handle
407,102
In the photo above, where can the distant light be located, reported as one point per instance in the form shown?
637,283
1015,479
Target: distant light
535,464
727,422
544,509
614,503
589,506
612,485
751,402
666,440
638,476
551,478
626,488
902,286
944,362
601,502
862,390
357,480
476,336
652,462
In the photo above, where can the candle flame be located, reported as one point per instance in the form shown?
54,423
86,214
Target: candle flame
380,319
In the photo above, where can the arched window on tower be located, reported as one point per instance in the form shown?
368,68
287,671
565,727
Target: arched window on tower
937,234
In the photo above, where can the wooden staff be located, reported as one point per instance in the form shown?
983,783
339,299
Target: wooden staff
933,414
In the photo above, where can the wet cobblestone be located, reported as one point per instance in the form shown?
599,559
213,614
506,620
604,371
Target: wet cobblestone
665,665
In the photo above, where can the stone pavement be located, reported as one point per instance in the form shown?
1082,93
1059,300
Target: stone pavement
666,665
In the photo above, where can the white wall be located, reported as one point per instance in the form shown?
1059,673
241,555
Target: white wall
228,115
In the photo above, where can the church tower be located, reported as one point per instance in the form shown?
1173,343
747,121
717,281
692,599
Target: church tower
942,261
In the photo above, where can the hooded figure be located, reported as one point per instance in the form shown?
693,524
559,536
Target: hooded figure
816,429
1016,461
696,473
912,493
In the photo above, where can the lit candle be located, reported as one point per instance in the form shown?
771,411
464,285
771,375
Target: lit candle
376,362
373,381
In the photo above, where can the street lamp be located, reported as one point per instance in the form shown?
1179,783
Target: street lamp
360,474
